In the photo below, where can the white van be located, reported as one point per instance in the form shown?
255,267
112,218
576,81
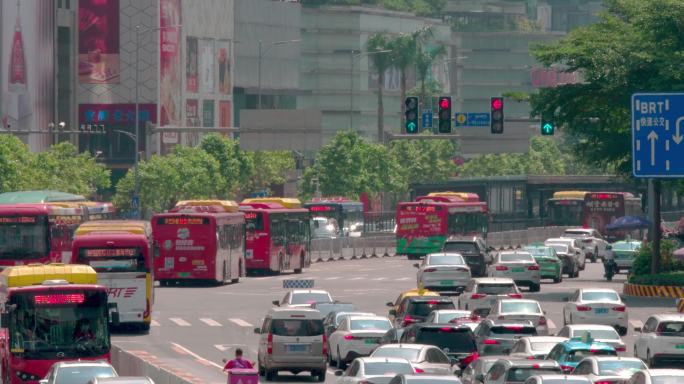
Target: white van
292,339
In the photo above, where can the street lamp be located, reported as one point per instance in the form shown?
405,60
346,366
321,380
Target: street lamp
262,51
353,56
138,30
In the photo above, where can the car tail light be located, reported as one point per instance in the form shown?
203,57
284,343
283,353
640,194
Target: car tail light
433,302
418,370
583,308
530,357
446,329
535,366
461,270
594,351
491,342
501,268
621,349
325,345
476,296
269,344
408,320
621,308
533,268
542,320
515,295
348,337
469,359
430,270
567,368
605,382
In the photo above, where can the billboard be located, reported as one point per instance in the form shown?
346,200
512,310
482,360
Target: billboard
223,65
225,109
191,78
26,71
98,41
192,119
169,64
206,66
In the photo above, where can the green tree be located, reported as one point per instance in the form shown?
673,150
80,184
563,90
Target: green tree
270,167
236,166
422,161
403,57
381,62
425,59
635,46
15,160
350,165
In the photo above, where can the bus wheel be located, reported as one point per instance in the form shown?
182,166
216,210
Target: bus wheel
301,264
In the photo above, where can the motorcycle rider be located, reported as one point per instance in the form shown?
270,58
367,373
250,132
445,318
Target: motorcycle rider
608,260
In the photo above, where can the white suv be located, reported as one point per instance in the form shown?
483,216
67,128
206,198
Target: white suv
593,243
661,340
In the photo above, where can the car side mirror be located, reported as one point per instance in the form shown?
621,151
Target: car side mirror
390,304
257,330
416,265
393,312
276,303
339,372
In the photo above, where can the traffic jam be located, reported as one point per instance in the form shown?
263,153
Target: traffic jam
471,318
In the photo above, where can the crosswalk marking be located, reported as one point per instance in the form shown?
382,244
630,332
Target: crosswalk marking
154,323
179,321
240,322
211,322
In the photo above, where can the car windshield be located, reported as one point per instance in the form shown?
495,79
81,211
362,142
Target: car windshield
82,374
539,251
496,289
620,367
464,247
373,324
446,317
341,315
521,374
423,308
671,327
310,298
667,379
410,354
626,246
450,340
575,234
520,307
577,355
560,248
506,257
446,260
603,334
387,369
600,296
543,346
297,327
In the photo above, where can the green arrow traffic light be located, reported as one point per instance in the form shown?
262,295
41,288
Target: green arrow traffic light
411,127
547,129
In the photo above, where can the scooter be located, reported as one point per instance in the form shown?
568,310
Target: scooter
611,269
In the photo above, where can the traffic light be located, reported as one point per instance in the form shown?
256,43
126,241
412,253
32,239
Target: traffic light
547,128
411,115
445,114
496,124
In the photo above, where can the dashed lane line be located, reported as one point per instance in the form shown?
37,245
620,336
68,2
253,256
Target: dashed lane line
155,323
181,349
180,322
240,322
211,322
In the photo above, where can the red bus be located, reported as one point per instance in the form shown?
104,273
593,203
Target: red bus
602,208
424,225
200,240
278,238
45,311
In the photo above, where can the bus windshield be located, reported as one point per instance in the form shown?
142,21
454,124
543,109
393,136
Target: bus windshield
468,223
23,237
59,325
566,212
130,259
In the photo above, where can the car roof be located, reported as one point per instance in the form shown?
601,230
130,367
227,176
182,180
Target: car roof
669,316
514,253
438,311
382,360
284,311
563,378
431,298
125,380
519,300
589,327
613,358
447,325
403,346
367,317
562,240
585,230
444,254
599,290
83,363
544,339
666,372
422,378
573,344
493,280
473,239
295,291
524,323
515,362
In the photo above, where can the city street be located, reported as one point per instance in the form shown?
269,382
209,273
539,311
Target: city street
195,327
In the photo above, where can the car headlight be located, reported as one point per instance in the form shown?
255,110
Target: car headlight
24,376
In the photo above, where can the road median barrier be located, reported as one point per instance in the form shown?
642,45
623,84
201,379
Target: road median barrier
141,363
667,291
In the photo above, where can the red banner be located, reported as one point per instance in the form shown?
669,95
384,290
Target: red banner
225,115
170,71
98,41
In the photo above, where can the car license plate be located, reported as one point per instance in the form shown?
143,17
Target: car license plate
371,341
446,282
518,269
297,348
600,311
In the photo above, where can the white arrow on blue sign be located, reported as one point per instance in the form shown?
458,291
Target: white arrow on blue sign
657,149
427,118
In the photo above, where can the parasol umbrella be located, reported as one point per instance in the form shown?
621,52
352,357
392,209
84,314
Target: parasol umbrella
628,223
678,254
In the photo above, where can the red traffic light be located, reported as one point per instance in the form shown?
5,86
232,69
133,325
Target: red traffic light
444,103
497,103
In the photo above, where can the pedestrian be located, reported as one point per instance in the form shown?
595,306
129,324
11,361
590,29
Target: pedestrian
238,362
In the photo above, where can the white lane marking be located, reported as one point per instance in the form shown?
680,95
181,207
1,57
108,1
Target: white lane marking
636,323
332,278
550,324
357,278
211,322
155,323
380,279
196,356
179,321
404,279
240,322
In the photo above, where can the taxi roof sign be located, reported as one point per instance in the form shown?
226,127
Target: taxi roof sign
37,274
298,283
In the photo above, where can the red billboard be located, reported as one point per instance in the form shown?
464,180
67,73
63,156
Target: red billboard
98,41
169,63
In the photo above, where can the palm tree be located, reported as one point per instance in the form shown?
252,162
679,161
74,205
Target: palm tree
403,58
381,61
425,58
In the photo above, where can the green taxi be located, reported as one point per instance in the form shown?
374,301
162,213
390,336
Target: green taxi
625,252
551,267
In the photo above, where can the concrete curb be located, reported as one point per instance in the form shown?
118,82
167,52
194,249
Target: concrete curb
680,305
668,291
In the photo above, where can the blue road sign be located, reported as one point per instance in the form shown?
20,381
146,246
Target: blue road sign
657,148
471,119
427,118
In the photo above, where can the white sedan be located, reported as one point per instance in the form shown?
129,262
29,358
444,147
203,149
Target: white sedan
378,370
534,347
658,376
601,333
356,336
575,247
446,273
520,266
593,243
521,309
661,340
608,369
443,316
596,306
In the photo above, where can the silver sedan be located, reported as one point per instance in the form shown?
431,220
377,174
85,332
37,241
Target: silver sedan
446,273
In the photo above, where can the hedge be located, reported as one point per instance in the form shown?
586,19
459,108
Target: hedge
670,278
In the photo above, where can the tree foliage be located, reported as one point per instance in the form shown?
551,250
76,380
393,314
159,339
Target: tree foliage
424,160
270,167
636,46
236,165
431,8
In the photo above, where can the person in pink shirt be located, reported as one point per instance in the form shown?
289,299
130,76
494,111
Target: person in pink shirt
238,362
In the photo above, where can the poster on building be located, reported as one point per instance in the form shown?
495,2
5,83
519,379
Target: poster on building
191,64
206,66
98,41
225,114
26,72
208,113
192,117
223,65
169,63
